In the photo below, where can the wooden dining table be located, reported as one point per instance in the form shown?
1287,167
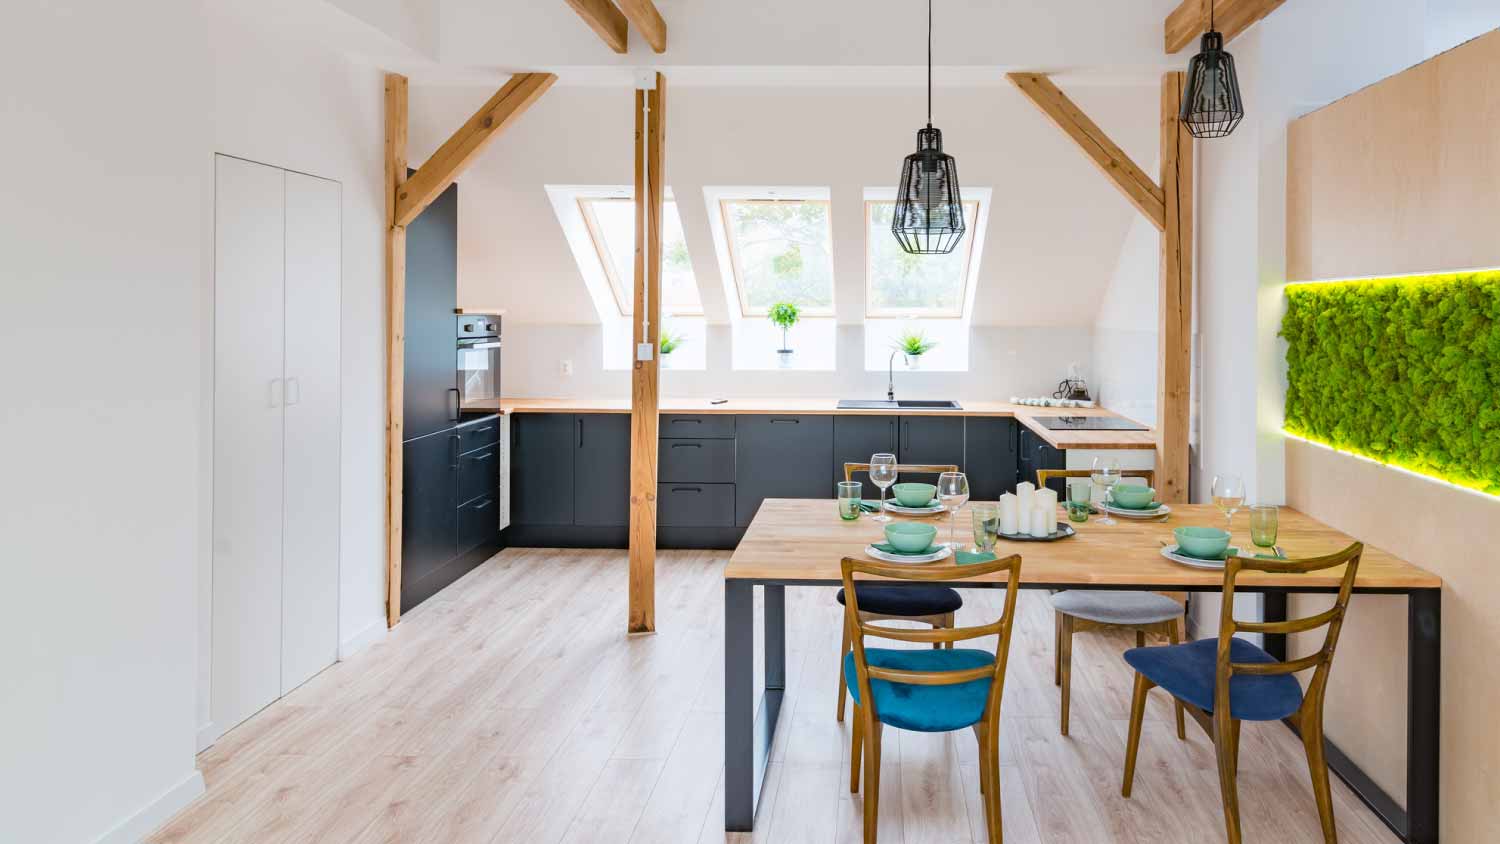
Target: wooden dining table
801,542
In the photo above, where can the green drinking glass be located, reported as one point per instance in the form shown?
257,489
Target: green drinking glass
1263,523
986,518
1079,495
849,498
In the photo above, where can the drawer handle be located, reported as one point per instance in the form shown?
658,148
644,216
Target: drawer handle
687,421
687,445
487,455
687,489
786,421
486,504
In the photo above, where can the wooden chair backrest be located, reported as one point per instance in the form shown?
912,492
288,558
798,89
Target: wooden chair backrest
946,572
912,468
1045,475
1332,618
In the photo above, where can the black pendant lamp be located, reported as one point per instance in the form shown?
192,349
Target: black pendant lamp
1211,104
929,217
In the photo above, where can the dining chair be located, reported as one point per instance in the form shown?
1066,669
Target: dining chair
1227,680
1143,612
930,691
933,605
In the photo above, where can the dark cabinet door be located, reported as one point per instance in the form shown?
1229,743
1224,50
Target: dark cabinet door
541,468
856,438
781,457
429,502
931,439
1036,454
601,469
990,456
431,391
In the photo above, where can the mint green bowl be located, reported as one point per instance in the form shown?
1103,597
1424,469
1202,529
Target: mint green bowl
910,537
914,495
1205,543
1133,496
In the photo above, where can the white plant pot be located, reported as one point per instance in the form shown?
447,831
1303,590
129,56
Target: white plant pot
784,358
913,361
666,360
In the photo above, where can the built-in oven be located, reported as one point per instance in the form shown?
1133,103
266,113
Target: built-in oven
478,358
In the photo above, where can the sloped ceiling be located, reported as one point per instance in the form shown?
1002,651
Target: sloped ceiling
1055,228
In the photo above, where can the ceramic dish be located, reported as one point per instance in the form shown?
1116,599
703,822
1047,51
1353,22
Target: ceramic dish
1063,531
1161,510
937,554
1171,553
930,510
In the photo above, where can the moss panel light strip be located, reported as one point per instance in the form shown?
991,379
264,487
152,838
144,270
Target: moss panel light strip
1403,370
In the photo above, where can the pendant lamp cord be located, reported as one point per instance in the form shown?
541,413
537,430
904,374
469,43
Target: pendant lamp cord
929,64
1210,15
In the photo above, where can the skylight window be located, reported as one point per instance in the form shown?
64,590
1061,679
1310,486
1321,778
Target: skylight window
611,227
899,284
780,250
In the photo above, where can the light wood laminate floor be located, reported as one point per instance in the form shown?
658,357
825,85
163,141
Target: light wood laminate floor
512,708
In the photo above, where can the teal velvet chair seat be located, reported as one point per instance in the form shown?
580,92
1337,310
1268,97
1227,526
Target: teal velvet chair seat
926,709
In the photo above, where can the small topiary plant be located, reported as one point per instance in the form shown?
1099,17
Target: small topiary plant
784,315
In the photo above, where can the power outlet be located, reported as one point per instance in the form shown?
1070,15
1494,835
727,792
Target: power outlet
567,367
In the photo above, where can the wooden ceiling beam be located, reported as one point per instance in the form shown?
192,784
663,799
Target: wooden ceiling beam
443,168
647,21
605,20
1231,17
1132,181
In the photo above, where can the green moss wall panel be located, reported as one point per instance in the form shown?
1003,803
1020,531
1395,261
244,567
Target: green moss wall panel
1406,371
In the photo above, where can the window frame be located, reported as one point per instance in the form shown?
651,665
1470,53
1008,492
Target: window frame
606,261
971,220
737,274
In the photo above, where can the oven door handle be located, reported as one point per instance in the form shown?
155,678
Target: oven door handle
484,345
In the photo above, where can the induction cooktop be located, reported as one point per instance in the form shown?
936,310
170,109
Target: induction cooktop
1088,423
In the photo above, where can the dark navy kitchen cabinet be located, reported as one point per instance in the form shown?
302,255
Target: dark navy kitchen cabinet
430,394
931,440
856,438
1036,454
782,457
541,468
601,469
990,451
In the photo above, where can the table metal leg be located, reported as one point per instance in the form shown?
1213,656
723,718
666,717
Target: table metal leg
1423,712
748,728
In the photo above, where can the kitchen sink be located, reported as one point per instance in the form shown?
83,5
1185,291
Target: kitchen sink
899,404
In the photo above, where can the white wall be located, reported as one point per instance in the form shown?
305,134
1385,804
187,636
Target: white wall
314,111
1126,326
101,297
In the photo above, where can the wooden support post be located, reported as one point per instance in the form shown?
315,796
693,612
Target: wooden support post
1175,330
650,143
604,19
1231,17
395,335
1105,153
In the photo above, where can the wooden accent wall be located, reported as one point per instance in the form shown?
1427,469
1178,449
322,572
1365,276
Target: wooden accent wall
1404,177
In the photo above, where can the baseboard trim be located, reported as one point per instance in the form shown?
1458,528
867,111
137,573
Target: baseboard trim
207,735
157,812
372,633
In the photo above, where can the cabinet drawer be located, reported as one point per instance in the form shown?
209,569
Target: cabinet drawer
478,434
717,426
478,473
696,460
478,523
695,505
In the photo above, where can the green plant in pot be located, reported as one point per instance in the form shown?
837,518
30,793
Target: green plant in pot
912,344
669,342
784,315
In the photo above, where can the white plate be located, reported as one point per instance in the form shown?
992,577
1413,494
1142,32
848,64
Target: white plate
878,554
1161,510
930,510
1170,552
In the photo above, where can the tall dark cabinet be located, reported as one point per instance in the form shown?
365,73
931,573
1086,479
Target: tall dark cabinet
431,391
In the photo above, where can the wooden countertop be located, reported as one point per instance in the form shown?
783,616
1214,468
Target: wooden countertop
800,540
1025,414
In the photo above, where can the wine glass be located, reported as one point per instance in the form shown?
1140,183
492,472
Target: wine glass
1105,475
1228,494
883,474
953,491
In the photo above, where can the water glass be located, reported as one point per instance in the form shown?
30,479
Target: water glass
883,474
953,491
1263,519
1106,474
1228,493
1079,497
849,498
986,526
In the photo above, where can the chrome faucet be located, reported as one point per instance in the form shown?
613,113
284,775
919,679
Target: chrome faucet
890,376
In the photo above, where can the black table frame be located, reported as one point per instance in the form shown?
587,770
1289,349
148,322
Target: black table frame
750,716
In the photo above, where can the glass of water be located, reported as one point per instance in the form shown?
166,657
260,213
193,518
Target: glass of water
1263,523
1105,475
986,518
1228,494
953,491
849,497
883,474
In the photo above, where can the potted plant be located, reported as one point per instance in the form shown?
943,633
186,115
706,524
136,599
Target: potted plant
669,342
912,345
784,315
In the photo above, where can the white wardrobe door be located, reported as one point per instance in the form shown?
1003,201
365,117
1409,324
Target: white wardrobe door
310,562
247,515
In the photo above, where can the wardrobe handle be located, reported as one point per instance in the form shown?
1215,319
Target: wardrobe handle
453,451
274,393
453,403
580,432
293,391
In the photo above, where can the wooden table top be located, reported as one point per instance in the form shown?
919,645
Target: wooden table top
1025,414
794,540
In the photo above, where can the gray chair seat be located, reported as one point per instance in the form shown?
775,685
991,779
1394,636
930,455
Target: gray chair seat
1109,607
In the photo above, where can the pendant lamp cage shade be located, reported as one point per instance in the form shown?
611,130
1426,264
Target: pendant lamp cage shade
1211,104
929,216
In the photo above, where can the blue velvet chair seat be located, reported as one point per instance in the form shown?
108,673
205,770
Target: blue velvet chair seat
926,709
1187,671
906,600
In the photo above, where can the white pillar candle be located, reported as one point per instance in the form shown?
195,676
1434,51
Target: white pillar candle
1009,518
1025,496
1047,501
1039,522
1023,522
